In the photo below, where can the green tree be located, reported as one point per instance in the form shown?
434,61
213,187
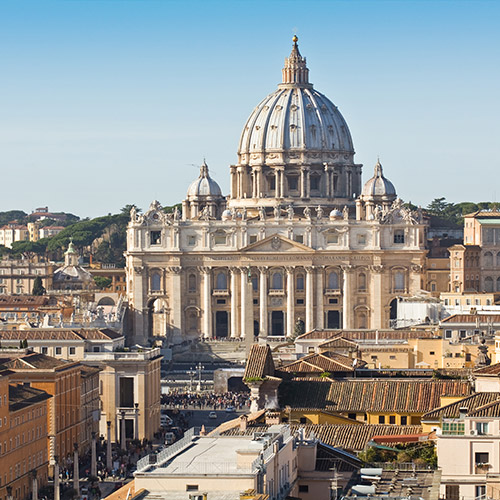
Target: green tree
102,282
38,288
28,249
438,206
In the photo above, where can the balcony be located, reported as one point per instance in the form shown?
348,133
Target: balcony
481,468
220,292
276,292
333,291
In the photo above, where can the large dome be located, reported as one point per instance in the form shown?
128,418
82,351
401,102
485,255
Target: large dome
295,148
295,117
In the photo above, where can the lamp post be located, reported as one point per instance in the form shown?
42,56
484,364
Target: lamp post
109,458
199,367
191,374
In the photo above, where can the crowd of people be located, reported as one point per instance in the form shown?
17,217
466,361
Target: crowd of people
206,401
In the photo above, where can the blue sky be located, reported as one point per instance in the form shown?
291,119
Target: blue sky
109,102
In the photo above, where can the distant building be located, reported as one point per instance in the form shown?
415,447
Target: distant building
72,276
18,276
9,233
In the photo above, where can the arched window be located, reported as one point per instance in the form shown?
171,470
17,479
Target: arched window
333,281
277,281
155,282
488,284
221,282
361,281
488,259
399,281
498,284
192,283
498,259
300,282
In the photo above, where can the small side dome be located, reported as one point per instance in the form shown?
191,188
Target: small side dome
335,214
227,215
378,187
204,186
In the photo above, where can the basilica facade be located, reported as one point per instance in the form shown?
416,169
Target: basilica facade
298,239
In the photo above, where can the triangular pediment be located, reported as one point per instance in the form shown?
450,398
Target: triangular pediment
276,243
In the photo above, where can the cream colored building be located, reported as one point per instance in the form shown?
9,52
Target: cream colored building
298,237
13,232
275,464
17,277
130,391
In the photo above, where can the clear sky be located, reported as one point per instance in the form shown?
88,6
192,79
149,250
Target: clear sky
110,102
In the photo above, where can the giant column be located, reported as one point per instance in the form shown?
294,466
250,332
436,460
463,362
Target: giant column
243,299
207,303
176,303
290,301
309,299
320,300
234,303
377,306
263,302
347,298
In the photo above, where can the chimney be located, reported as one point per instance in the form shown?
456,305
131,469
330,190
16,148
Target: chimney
243,423
462,412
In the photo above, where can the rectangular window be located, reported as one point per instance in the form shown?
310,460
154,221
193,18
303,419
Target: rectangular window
481,458
253,238
332,239
463,334
300,302
221,301
361,239
482,428
220,239
155,237
447,334
404,420
303,488
314,182
293,183
58,351
399,236
381,419
299,238
191,241
392,357
72,351
126,392
392,419
191,487
45,350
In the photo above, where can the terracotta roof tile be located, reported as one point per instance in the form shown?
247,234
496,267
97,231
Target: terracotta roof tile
260,362
488,370
323,362
366,334
472,318
471,402
488,410
352,438
409,396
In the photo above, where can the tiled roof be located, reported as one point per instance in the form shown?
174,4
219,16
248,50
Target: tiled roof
33,361
59,334
23,300
489,410
348,437
22,396
260,362
366,334
37,334
472,318
488,370
471,402
323,362
338,343
408,396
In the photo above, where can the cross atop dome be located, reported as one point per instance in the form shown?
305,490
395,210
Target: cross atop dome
295,70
